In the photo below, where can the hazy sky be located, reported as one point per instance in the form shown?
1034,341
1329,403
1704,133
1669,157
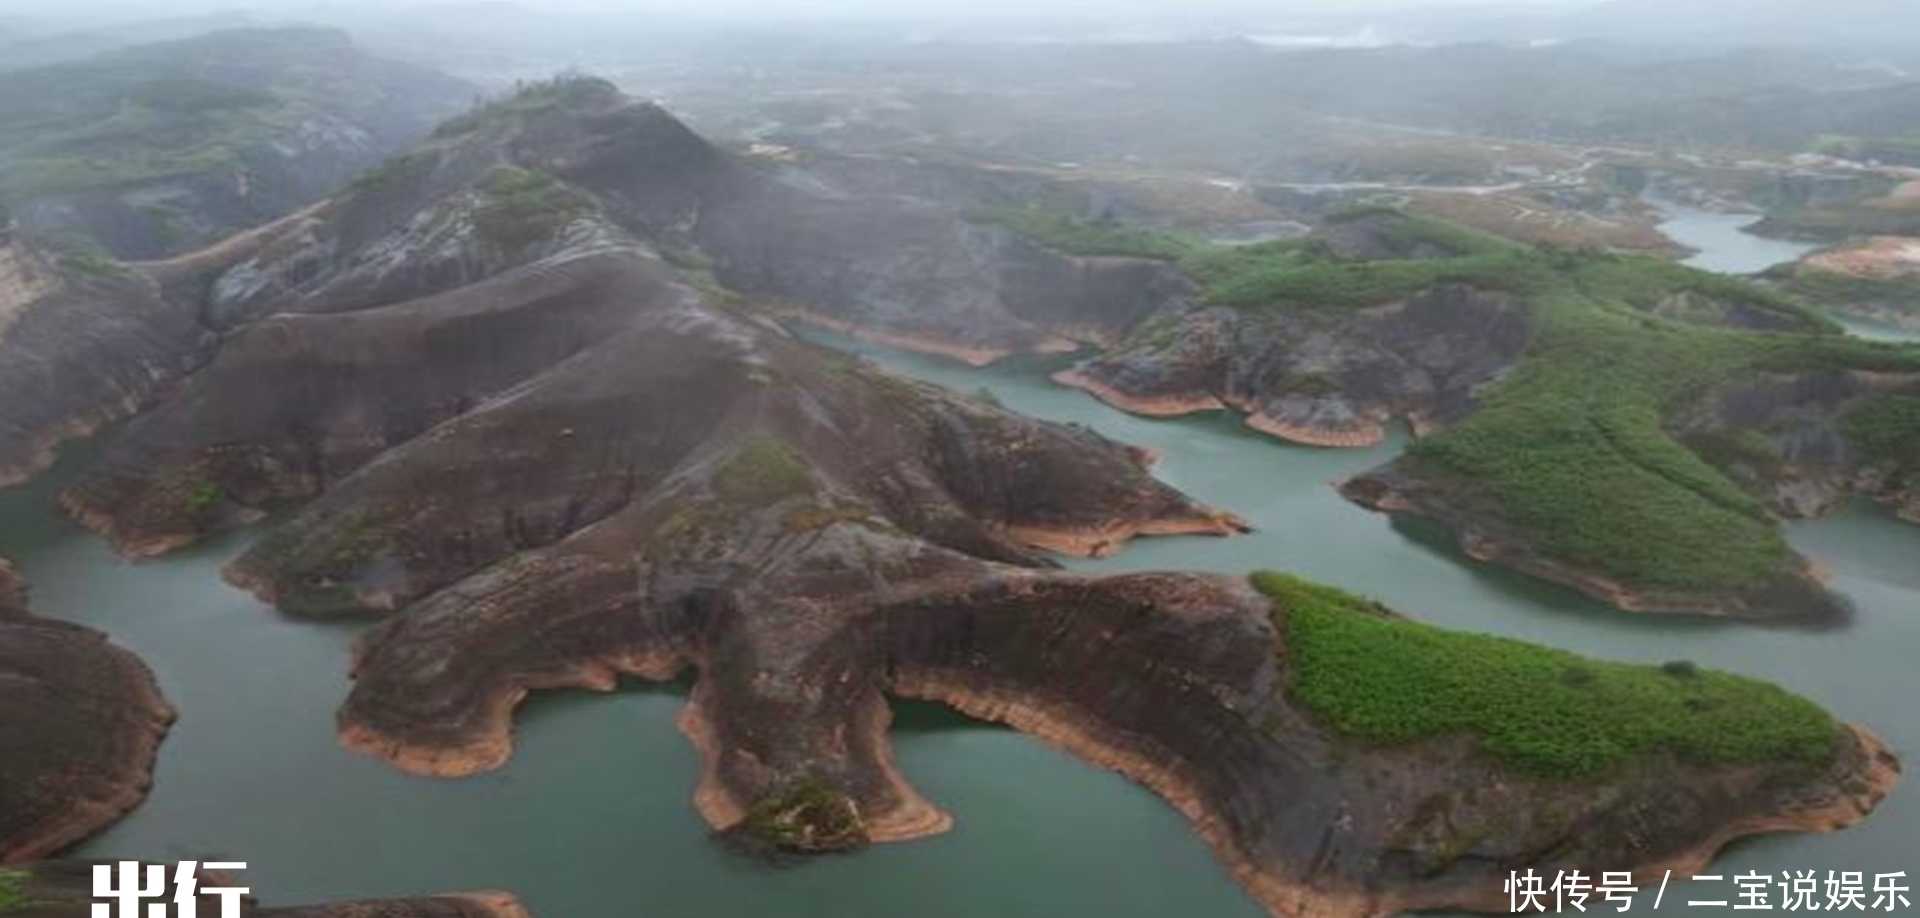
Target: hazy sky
776,9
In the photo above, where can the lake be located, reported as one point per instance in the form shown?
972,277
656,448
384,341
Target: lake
592,818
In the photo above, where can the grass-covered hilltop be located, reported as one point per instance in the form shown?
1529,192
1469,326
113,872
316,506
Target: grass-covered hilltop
160,148
1377,678
1626,425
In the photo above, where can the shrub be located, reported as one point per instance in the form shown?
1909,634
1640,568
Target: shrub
522,207
764,471
807,816
395,171
13,890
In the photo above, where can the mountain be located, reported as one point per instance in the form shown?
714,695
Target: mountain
36,44
539,428
161,148
84,342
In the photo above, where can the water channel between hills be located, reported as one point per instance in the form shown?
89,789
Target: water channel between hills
592,818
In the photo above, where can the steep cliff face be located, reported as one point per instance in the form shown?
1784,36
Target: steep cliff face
83,343
914,273
1318,379
84,721
881,249
64,889
1807,442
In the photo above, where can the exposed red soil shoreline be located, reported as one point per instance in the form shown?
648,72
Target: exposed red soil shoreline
490,743
1106,541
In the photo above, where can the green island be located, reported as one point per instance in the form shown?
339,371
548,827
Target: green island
1573,448
1376,678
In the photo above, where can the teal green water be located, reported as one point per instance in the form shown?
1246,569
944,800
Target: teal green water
592,819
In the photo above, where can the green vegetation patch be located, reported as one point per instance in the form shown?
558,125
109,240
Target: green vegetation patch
523,207
807,816
191,489
1070,235
13,890
1572,447
1847,290
94,264
1886,429
560,92
765,471
396,171
1374,678
1295,274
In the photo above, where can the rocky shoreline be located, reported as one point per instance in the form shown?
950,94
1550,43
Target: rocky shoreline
971,355
1159,406
1796,595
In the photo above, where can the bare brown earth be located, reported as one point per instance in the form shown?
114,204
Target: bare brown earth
1882,257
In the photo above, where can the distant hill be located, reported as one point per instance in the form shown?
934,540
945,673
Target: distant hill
1867,26
24,44
158,148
